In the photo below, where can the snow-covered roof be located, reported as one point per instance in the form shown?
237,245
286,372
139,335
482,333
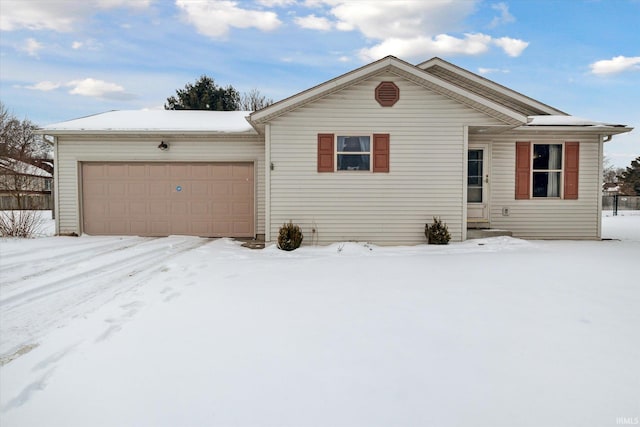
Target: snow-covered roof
22,168
157,121
572,123
554,120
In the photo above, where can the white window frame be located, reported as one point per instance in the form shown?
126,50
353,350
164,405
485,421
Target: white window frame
561,170
362,153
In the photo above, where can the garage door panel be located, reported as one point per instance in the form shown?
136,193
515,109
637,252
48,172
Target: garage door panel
200,188
137,189
202,199
199,208
116,171
159,189
158,208
118,227
137,171
157,171
241,209
179,208
221,209
201,171
139,228
138,209
178,170
220,189
117,209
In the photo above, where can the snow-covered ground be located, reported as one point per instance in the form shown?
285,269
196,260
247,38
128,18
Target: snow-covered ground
181,331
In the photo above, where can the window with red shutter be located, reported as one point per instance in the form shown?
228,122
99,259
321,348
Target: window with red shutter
523,169
381,152
571,164
325,152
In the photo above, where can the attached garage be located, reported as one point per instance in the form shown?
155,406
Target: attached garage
160,173
164,198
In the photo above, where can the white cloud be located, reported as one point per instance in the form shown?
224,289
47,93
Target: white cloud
504,18
413,28
59,16
512,47
32,46
471,44
76,45
400,18
276,3
98,89
482,70
615,65
313,22
214,18
45,86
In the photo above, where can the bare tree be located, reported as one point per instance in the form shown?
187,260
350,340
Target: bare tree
610,173
254,100
22,152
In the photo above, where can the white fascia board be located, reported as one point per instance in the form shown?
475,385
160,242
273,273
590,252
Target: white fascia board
143,132
604,130
491,84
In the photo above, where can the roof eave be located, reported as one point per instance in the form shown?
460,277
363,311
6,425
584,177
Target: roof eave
490,84
602,130
387,63
142,132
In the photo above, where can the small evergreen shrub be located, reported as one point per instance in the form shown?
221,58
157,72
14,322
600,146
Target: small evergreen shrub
290,237
437,233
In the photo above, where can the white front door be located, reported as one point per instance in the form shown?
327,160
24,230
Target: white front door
477,184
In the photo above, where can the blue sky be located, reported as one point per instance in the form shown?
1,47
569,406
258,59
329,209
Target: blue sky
63,59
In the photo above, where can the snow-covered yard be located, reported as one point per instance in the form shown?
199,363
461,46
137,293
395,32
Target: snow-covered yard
181,331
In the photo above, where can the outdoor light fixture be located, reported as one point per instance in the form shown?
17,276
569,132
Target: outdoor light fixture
163,146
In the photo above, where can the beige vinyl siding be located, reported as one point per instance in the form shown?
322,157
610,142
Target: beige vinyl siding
544,218
73,150
427,157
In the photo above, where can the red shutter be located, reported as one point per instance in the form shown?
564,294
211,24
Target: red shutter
523,169
571,155
325,152
381,152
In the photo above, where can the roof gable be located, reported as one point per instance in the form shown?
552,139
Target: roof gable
486,88
402,69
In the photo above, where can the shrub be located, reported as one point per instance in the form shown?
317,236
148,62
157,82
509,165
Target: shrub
437,233
290,237
20,223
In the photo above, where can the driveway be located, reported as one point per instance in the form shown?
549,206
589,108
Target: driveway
46,282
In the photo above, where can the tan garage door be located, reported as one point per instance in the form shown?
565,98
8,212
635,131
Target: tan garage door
159,199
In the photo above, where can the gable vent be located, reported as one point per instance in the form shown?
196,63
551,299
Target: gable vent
387,94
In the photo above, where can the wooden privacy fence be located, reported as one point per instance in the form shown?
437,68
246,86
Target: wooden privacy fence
29,202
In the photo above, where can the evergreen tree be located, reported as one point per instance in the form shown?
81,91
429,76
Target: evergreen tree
204,94
630,179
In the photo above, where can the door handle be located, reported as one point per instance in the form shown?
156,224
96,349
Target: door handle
486,178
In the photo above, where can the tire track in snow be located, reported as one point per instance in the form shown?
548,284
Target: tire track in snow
27,316
148,257
81,245
104,250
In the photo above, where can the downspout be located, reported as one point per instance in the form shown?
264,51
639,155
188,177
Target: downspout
56,179
267,183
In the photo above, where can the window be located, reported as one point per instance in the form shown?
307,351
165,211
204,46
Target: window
353,153
547,170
